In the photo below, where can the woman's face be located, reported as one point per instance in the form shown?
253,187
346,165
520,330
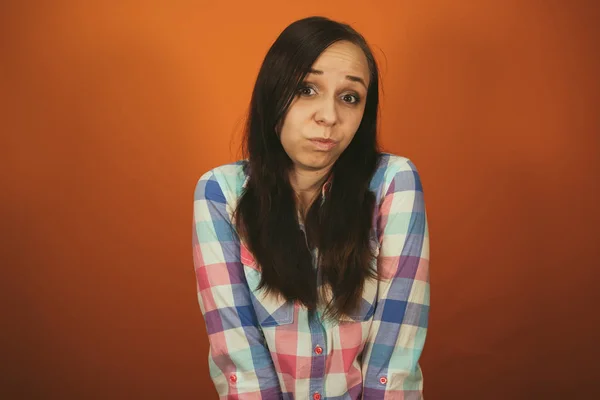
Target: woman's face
325,114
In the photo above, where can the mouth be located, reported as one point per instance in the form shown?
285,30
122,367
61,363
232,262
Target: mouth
323,144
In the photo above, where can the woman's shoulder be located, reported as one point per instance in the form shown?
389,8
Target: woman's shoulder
230,178
388,166
389,161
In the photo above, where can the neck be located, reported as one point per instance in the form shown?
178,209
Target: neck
307,185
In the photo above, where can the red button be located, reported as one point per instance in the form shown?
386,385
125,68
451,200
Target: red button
318,349
233,378
383,380
317,396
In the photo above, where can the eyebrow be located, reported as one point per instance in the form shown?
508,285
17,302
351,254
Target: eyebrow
349,77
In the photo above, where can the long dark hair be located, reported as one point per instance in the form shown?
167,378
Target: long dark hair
266,214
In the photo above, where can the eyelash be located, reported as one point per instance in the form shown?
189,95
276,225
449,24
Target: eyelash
304,87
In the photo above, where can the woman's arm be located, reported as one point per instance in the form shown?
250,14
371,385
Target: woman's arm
397,335
240,363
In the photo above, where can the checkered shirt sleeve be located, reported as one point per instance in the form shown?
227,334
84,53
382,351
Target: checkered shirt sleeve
240,364
390,364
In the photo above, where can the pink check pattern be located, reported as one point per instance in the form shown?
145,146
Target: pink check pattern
265,348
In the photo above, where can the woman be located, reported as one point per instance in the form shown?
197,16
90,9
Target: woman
311,256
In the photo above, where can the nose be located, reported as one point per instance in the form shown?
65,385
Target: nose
326,114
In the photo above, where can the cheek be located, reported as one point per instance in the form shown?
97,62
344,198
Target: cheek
353,121
347,140
290,128
288,136
358,116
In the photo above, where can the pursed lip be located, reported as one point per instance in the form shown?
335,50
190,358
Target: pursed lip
324,141
323,144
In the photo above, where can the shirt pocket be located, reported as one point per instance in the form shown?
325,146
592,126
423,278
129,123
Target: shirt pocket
270,310
368,302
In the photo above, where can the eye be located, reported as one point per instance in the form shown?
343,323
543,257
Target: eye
350,98
306,91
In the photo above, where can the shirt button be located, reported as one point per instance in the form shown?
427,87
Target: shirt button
317,396
318,349
383,380
233,378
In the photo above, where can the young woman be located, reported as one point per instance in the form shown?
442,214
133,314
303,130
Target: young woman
311,255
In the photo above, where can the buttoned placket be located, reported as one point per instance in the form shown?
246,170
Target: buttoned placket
315,324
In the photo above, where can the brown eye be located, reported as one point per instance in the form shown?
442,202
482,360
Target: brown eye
306,91
350,98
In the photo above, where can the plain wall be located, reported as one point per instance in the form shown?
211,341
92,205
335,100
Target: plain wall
110,113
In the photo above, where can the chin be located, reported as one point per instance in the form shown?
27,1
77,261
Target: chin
317,163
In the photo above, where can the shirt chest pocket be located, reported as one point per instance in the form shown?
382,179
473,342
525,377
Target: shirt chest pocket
366,307
270,310
368,302
275,311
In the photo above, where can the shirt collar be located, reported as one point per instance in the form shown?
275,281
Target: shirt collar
324,189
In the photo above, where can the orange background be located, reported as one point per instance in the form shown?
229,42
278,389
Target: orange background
110,114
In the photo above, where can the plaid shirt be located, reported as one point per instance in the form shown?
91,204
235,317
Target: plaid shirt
262,347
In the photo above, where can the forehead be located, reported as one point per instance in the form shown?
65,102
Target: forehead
345,58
